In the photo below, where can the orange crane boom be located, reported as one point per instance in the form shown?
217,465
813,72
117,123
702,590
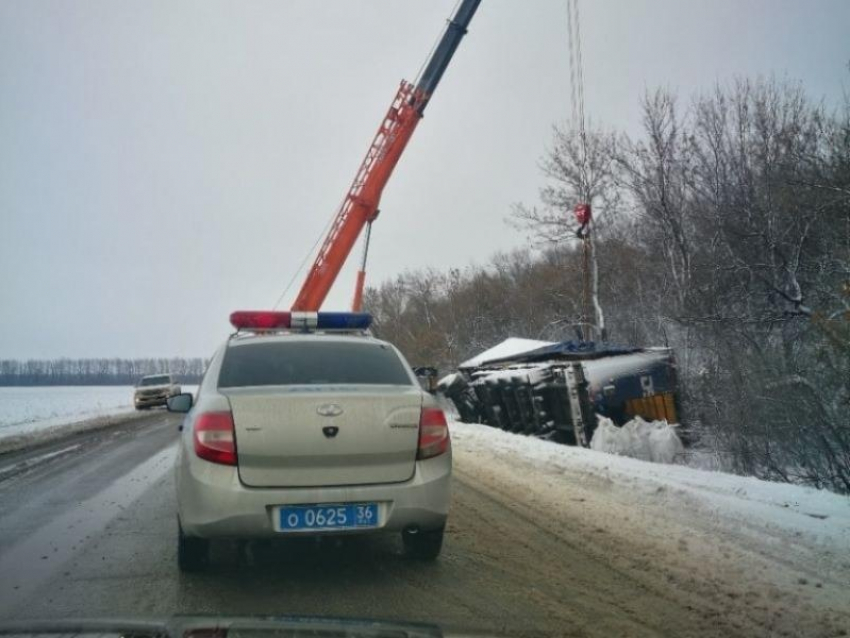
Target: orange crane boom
360,207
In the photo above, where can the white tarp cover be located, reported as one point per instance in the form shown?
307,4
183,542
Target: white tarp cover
510,347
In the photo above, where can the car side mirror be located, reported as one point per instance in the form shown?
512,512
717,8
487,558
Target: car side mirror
179,402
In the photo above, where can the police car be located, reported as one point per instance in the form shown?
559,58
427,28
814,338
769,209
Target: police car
305,424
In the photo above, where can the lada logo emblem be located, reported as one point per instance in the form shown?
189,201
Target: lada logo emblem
329,409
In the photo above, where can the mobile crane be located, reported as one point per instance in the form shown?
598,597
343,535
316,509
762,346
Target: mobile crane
554,392
360,207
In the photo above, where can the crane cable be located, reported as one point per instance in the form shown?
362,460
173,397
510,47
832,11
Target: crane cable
304,261
434,46
368,234
577,87
330,221
578,116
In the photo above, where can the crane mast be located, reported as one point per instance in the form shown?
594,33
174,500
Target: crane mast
360,207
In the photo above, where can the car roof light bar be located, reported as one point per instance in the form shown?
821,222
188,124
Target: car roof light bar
270,320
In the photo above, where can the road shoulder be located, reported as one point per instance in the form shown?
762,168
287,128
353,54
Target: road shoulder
756,580
48,437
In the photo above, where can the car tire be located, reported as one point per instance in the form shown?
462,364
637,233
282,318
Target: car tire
423,545
192,553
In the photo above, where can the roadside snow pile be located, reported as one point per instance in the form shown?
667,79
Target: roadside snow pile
654,441
38,432
760,553
24,410
792,511
34,415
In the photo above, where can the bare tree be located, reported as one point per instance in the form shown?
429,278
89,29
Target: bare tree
724,231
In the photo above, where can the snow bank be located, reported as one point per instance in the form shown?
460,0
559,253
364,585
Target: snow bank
772,557
33,415
25,409
790,511
654,441
40,432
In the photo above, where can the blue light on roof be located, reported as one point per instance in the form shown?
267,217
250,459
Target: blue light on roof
343,320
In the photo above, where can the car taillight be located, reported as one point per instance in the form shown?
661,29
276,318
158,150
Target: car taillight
433,433
215,440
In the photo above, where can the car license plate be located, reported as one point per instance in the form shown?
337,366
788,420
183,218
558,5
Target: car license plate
301,518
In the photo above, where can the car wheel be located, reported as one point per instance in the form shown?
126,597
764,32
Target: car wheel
423,545
192,553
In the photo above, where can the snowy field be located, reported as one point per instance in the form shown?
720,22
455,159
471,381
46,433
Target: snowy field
33,414
22,409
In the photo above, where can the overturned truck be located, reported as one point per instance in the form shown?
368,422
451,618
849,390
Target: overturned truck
556,390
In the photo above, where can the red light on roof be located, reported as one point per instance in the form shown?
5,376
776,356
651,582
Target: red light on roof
259,319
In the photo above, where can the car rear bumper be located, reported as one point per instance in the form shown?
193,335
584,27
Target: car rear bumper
213,503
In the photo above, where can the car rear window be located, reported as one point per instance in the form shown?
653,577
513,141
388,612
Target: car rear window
311,363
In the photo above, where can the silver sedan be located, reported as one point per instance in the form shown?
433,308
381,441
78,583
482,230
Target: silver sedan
309,434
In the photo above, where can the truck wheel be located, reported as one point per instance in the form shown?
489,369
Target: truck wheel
192,553
423,545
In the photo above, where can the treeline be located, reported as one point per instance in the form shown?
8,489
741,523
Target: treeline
722,230
96,371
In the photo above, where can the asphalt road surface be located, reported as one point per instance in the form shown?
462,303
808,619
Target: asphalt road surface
88,529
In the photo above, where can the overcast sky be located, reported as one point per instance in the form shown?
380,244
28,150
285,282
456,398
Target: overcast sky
163,163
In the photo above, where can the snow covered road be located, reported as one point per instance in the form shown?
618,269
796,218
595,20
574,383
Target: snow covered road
542,540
